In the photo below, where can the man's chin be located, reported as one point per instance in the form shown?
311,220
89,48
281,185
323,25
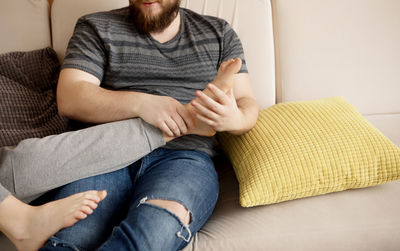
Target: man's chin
153,18
151,11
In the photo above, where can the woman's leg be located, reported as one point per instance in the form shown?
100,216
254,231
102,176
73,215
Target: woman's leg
41,164
36,166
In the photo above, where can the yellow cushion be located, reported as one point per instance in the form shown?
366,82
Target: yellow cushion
301,149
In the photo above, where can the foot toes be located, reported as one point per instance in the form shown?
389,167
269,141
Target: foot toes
86,210
234,67
93,192
91,204
102,194
231,66
224,65
237,64
92,197
80,215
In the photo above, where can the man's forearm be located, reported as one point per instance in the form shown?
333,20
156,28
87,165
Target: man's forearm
79,96
249,109
90,103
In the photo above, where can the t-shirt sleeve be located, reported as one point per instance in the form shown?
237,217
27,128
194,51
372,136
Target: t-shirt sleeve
232,47
86,50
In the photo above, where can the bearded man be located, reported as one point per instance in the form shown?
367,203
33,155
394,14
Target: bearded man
149,61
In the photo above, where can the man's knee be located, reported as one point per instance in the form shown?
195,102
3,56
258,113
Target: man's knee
174,207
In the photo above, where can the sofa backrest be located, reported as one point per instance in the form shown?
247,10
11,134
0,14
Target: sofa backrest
65,13
323,48
347,48
24,25
251,19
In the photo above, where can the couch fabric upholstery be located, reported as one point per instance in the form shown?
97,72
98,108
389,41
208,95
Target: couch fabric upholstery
341,48
24,25
28,107
321,48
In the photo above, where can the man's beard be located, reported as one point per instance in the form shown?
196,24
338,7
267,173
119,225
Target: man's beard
155,23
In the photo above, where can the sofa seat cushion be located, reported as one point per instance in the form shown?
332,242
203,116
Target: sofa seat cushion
353,220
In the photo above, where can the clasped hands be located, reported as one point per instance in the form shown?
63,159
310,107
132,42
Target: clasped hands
174,119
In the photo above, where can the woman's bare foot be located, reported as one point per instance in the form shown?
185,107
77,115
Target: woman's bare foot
30,227
224,81
225,77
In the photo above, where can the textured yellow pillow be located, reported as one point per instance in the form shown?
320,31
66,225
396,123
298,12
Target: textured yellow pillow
301,149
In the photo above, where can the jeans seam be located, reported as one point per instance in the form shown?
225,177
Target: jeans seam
140,171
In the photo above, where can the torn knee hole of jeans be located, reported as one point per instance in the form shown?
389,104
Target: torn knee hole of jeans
188,213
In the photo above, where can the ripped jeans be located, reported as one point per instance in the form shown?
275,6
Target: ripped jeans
125,221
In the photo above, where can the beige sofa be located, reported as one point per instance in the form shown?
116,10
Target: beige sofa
295,50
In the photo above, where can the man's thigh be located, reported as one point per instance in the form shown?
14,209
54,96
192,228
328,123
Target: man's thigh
188,177
168,183
91,232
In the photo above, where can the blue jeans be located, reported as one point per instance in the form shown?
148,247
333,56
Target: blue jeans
125,221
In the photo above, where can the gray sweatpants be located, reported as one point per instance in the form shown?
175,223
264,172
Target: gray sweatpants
36,166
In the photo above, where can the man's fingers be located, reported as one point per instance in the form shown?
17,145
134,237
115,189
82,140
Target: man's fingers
204,111
205,120
180,123
173,127
208,102
166,129
221,96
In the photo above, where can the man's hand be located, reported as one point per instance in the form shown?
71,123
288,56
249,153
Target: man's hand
222,114
167,114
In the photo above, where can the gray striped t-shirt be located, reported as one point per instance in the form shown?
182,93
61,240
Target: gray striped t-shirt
107,45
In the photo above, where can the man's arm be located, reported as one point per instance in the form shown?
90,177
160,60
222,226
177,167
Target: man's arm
235,112
246,102
79,96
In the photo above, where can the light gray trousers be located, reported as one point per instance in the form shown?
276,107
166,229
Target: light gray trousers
36,166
